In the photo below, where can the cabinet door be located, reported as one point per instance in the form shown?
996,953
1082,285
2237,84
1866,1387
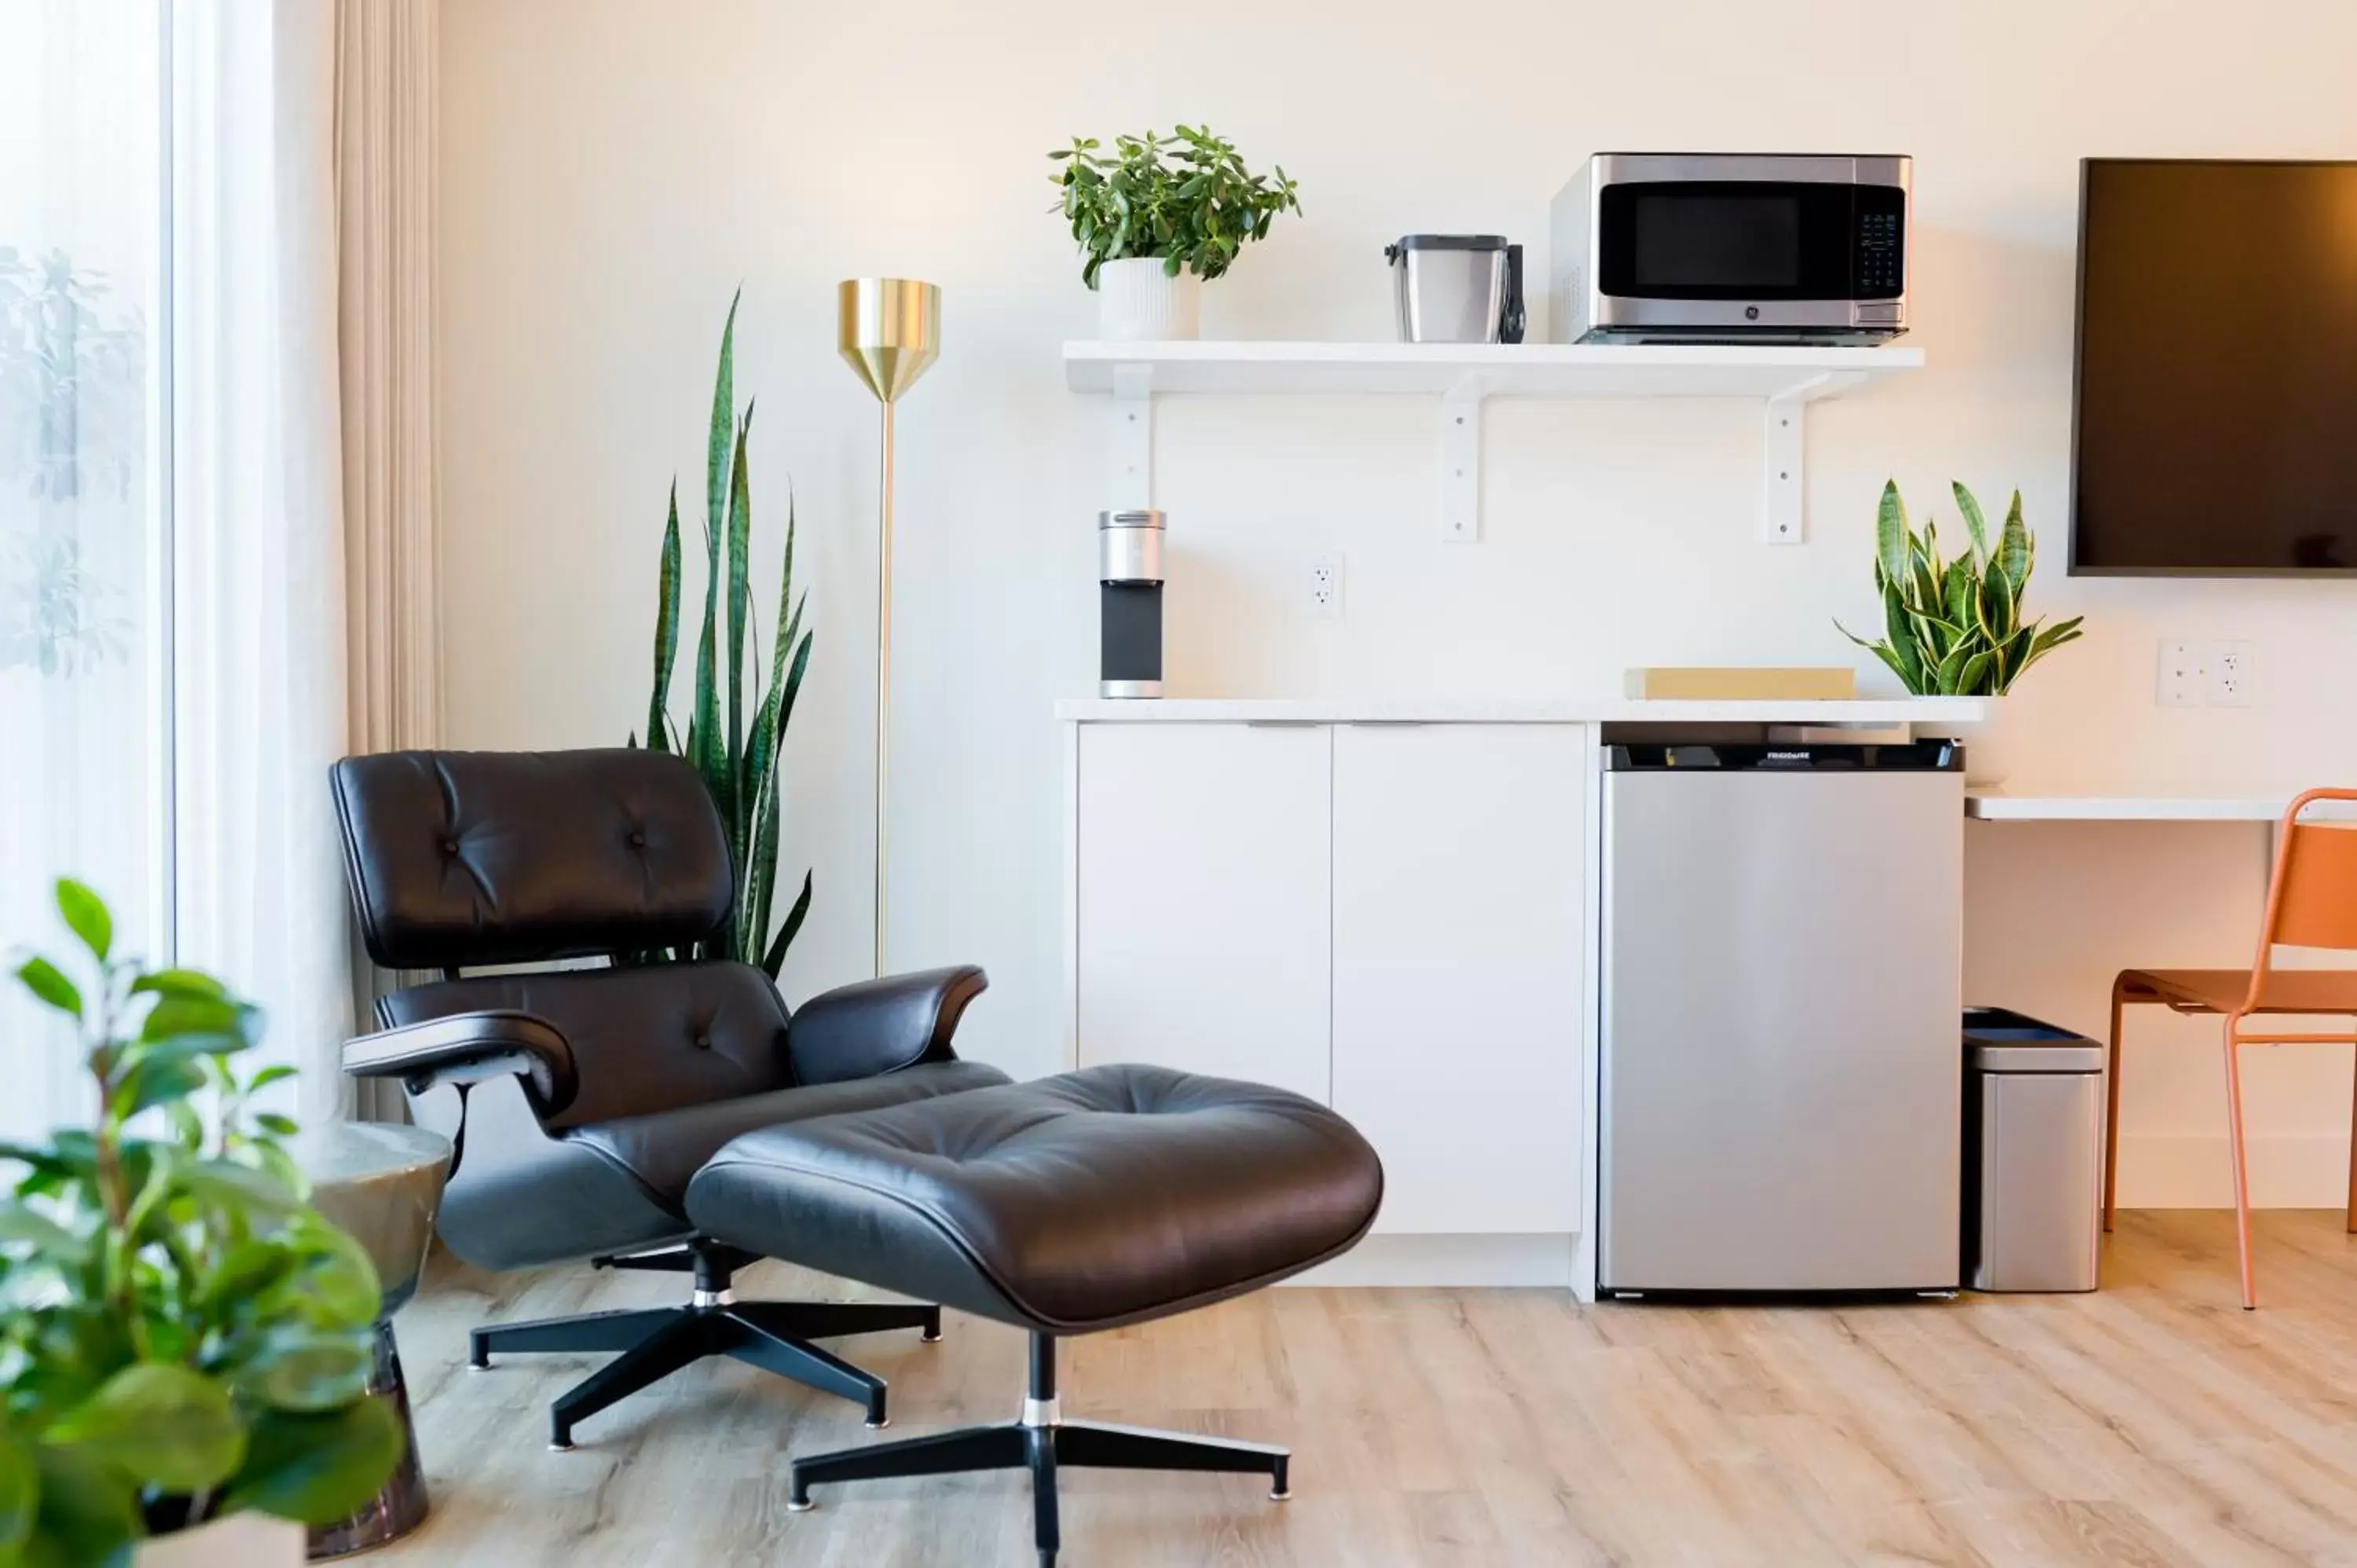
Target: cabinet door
1459,969
1202,888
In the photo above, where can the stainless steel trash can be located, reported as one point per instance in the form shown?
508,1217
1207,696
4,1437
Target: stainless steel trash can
2033,1155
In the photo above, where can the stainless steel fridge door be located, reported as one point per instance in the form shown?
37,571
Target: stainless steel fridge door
1782,1073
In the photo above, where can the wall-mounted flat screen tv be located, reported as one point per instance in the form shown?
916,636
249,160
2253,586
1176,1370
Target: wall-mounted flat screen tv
2214,419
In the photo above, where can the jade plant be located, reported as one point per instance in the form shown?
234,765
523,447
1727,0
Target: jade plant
1955,629
181,1335
742,767
1188,199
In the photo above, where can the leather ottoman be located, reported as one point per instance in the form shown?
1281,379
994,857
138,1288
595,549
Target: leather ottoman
1076,1203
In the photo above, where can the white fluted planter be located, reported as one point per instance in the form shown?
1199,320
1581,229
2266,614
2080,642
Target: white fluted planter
1138,302
241,1541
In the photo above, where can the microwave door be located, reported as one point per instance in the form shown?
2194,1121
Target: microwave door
1749,257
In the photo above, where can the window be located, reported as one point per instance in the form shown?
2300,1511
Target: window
83,519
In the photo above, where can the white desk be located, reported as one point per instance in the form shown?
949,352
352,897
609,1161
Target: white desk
2006,806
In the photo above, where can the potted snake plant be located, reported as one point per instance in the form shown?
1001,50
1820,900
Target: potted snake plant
185,1344
1158,217
1955,629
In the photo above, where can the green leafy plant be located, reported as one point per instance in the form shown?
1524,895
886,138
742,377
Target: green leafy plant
74,366
181,1335
741,767
56,615
1195,210
73,420
1954,627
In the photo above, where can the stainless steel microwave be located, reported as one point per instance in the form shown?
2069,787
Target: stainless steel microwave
1730,248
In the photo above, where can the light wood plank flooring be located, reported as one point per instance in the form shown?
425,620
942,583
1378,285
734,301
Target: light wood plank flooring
2153,1423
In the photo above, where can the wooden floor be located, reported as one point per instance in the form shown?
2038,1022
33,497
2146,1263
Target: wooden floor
2154,1423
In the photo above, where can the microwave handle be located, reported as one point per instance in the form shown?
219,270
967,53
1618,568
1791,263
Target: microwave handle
1511,322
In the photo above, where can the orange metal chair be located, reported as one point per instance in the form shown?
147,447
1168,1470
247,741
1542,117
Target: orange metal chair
2311,903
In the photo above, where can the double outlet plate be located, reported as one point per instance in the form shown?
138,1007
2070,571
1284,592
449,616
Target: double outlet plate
1321,587
2195,673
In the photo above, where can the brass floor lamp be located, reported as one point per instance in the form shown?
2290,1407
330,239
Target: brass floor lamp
891,331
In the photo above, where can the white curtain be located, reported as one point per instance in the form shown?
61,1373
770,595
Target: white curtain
81,527
260,689
384,201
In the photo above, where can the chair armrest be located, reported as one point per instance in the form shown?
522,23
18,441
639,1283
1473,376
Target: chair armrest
465,1046
875,1027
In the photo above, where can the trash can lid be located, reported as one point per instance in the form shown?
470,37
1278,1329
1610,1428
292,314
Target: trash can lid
2064,1053
1998,1040
2005,1024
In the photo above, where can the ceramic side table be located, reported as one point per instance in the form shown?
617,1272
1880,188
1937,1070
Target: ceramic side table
383,1184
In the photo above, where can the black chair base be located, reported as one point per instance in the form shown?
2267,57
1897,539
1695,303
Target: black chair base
655,1342
1041,1442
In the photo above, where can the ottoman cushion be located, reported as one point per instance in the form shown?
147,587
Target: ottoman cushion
1074,1203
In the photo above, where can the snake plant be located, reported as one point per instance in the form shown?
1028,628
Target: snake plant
1954,628
741,767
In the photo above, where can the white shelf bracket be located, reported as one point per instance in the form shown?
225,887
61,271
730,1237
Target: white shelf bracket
1131,448
1784,474
1461,460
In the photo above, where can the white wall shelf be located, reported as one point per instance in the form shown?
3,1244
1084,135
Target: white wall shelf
1463,376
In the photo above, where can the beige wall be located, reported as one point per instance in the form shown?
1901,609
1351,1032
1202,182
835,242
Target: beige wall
612,170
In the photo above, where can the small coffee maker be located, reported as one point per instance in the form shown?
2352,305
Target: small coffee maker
1129,603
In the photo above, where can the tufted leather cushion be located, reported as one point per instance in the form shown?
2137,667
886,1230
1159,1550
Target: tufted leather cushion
644,1040
459,858
1075,1203
666,1151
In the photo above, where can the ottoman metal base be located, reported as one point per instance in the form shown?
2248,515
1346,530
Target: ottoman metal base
1041,1442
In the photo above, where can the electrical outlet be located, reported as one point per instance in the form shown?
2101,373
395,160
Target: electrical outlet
1321,582
2230,674
2194,673
2184,675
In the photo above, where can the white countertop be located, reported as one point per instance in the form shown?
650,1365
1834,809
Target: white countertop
1869,712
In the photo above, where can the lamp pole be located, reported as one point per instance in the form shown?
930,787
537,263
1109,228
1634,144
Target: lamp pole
888,330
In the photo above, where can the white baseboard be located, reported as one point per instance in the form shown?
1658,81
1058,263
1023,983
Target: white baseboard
2193,1171
1465,1261
2181,1171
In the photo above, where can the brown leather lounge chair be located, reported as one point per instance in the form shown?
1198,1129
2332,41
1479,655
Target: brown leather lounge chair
582,1100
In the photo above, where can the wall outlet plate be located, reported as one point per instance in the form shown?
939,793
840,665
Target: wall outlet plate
2194,673
2184,676
1321,587
2230,674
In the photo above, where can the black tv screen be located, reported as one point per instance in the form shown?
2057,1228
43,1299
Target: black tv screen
2215,394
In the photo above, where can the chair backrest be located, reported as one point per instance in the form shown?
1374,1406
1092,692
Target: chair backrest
2312,897
481,857
465,859
645,1039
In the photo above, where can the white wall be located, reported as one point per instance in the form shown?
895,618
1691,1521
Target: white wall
612,170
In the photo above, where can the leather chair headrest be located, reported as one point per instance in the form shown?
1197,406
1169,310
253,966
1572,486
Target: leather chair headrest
483,857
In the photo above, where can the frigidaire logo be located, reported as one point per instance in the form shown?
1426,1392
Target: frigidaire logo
1787,756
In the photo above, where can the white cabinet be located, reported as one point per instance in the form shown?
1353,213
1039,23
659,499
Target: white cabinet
1202,889
1459,969
1389,918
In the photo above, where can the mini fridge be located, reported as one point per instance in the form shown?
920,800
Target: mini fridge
1781,1102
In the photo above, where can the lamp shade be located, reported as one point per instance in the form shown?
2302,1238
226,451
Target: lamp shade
890,329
